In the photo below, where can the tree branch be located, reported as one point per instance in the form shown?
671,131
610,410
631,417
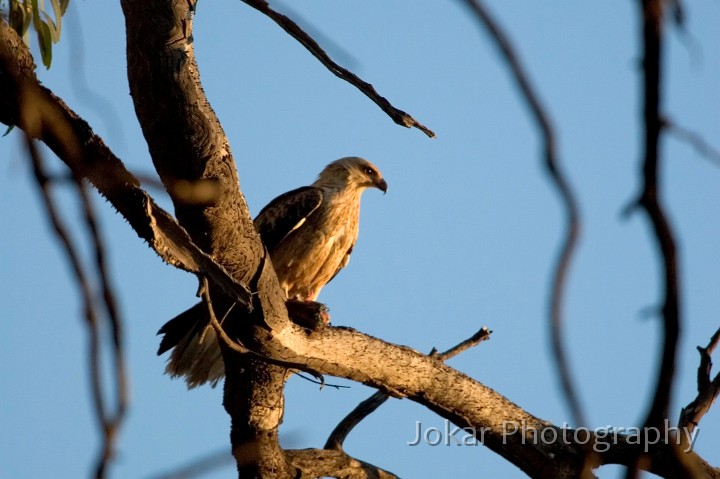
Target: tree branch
701,146
652,17
109,422
708,390
398,116
368,406
562,186
42,115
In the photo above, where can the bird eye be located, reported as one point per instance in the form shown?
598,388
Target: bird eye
369,171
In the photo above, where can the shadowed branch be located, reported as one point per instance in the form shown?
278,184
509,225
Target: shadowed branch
708,390
572,213
398,116
109,421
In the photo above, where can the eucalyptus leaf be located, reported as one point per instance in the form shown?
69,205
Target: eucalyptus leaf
45,41
58,12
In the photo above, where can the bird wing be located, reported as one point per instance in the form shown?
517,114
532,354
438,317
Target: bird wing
343,262
286,213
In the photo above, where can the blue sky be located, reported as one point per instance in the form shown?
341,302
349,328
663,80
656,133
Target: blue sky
465,237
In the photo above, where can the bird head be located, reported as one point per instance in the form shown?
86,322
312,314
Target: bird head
353,172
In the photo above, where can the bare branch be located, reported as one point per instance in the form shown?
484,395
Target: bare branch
204,292
694,139
708,390
44,116
368,406
572,213
109,423
652,17
398,116
114,420
483,334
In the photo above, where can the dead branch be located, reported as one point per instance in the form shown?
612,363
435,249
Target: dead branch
368,406
398,116
652,16
693,139
114,420
109,422
42,115
708,390
562,186
236,346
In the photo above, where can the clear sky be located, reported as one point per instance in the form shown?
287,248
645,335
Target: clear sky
465,237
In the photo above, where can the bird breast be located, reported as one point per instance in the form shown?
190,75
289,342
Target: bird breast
312,254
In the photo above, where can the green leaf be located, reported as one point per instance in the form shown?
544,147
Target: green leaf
36,15
45,40
19,17
54,30
7,132
57,11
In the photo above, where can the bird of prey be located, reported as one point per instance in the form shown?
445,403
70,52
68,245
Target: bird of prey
309,233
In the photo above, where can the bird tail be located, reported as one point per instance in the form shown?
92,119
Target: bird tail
195,350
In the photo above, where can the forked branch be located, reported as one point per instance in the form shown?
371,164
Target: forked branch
708,389
368,406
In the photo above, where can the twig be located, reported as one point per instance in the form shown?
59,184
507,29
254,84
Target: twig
693,139
482,335
708,390
562,186
368,406
107,424
204,293
321,383
118,355
398,116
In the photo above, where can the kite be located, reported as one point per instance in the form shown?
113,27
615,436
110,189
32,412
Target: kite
309,233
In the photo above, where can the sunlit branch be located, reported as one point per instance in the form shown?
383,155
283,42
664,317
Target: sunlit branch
368,406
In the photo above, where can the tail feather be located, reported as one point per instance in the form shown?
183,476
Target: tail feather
196,354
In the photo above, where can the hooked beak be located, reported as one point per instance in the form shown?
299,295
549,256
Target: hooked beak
381,185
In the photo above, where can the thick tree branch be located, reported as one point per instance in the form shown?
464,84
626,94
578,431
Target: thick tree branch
572,212
42,115
187,142
407,373
368,406
398,116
